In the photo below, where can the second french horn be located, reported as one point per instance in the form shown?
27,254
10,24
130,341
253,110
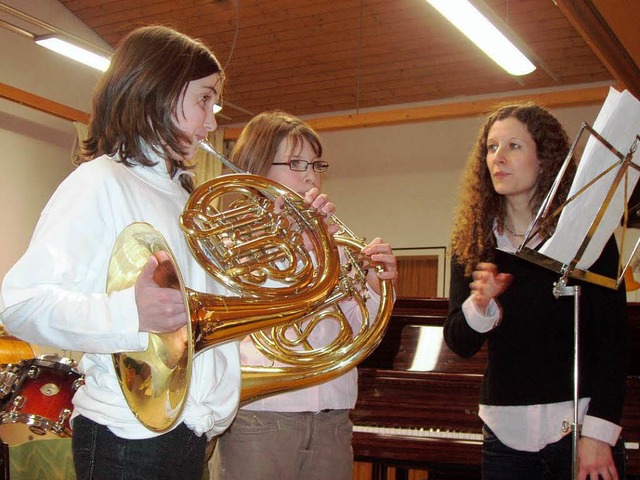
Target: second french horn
304,364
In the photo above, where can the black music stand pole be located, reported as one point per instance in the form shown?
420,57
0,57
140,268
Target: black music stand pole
561,290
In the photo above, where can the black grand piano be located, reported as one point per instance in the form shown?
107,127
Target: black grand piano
417,403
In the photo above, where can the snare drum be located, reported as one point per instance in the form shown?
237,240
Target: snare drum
40,406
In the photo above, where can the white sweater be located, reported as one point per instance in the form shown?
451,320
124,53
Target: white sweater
55,294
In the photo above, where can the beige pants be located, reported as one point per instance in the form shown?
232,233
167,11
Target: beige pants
285,446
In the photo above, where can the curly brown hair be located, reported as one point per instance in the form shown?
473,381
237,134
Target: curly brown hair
472,239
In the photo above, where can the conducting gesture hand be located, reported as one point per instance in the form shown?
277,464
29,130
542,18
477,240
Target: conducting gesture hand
487,284
160,304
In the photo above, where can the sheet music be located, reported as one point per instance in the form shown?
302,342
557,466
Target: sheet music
618,122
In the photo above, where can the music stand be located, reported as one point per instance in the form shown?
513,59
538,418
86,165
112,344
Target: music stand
571,266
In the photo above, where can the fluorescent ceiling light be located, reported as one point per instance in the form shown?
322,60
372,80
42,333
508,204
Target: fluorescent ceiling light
72,51
485,35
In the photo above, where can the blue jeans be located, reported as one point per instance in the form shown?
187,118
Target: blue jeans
99,454
553,462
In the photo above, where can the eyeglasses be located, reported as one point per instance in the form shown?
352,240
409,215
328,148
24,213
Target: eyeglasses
319,166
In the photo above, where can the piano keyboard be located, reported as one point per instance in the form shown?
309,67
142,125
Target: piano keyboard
437,433
444,400
418,432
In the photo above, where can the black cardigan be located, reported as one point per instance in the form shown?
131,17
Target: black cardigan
531,351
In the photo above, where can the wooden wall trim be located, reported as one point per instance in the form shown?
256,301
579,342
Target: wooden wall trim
42,104
566,98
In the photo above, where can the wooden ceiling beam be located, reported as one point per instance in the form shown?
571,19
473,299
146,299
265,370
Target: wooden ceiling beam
596,31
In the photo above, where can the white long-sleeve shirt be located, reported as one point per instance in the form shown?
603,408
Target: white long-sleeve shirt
55,294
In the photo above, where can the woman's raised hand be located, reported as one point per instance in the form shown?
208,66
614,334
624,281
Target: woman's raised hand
487,283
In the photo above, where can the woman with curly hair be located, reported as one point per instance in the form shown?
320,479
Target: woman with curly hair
527,390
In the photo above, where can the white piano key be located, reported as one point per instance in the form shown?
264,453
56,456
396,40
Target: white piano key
419,432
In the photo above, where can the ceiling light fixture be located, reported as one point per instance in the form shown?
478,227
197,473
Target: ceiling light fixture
466,18
74,52
57,40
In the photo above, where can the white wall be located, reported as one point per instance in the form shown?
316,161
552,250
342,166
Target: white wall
401,182
35,148
35,157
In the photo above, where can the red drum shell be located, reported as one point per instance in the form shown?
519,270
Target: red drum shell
40,406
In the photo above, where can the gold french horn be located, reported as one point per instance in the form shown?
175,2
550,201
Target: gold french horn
260,255
155,382
303,364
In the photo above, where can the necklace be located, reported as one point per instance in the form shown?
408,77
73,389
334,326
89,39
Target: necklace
512,232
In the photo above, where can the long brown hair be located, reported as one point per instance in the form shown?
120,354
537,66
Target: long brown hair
258,142
472,239
136,100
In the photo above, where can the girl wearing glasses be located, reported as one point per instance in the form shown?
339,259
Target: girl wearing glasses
305,433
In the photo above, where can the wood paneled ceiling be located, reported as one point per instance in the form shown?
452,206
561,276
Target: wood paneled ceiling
315,57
